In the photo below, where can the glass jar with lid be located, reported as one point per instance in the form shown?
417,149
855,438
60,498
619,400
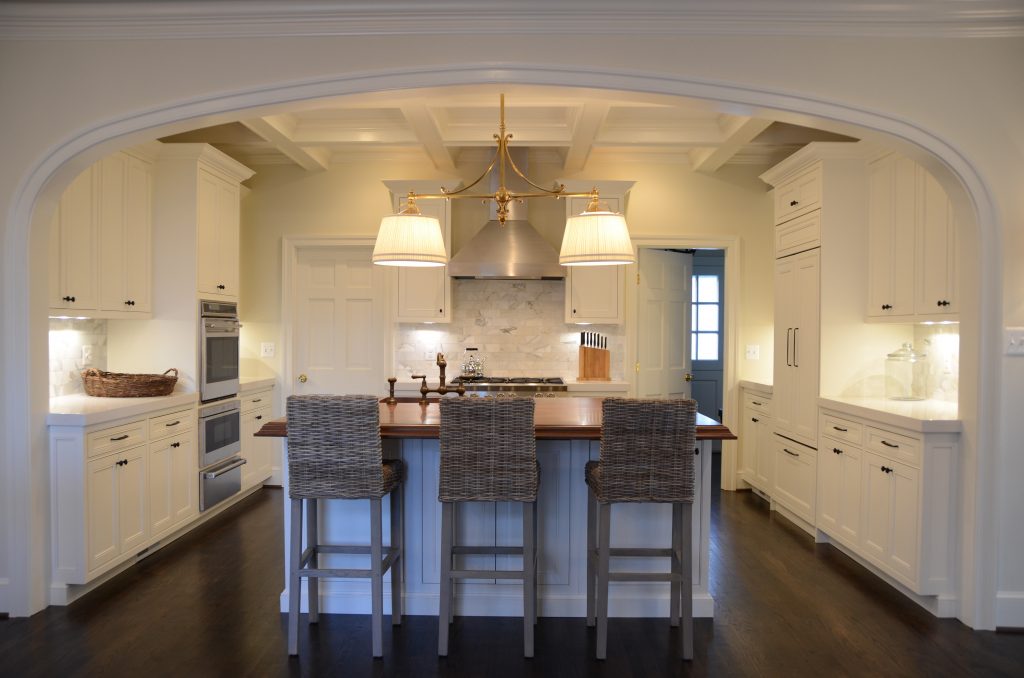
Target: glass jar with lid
906,374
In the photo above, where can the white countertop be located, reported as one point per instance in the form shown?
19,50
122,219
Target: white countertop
83,410
756,386
250,384
923,416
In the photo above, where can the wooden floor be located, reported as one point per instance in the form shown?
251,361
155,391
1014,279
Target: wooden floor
207,606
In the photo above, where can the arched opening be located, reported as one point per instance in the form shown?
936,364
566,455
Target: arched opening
25,277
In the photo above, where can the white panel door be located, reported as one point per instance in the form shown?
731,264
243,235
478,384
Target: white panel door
850,494
138,266
112,254
664,323
891,219
133,507
906,513
806,334
877,509
78,231
103,543
207,266
161,481
784,376
830,487
424,293
184,471
936,249
340,326
764,472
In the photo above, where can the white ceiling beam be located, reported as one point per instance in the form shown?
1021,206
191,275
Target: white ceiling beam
425,127
277,129
739,131
588,123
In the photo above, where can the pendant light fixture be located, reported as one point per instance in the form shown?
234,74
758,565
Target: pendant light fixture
597,237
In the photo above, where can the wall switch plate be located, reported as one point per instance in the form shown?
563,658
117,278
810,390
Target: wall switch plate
267,349
86,355
753,351
1013,340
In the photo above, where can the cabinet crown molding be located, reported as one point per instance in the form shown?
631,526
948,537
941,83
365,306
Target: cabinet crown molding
230,168
813,152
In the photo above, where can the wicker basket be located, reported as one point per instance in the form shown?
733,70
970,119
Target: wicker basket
114,385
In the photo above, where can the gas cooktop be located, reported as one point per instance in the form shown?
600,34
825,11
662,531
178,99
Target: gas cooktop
487,383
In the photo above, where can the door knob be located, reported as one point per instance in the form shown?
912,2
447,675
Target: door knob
688,377
303,379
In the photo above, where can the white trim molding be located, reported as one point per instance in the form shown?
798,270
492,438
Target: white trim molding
254,19
1010,610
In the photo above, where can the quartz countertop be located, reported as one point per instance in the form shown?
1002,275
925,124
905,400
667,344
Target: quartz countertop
84,410
756,386
248,384
923,416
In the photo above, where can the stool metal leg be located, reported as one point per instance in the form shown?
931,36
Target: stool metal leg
529,577
294,580
603,539
398,542
686,513
536,562
677,560
451,559
591,545
444,600
312,540
376,576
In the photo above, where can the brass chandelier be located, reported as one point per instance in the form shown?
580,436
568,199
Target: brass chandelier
595,237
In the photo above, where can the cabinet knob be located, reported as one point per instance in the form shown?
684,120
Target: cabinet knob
303,379
220,287
837,450
574,311
754,419
71,299
440,310
175,444
794,203
886,307
258,417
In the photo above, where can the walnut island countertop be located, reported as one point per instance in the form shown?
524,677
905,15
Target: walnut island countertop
555,419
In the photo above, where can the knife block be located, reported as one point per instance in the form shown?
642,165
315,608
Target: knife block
595,364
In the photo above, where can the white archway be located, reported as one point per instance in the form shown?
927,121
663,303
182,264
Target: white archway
27,471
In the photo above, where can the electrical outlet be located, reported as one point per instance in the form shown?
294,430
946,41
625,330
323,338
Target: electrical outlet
267,349
86,355
753,351
1013,340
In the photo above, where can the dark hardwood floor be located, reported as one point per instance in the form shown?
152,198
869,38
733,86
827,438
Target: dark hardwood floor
207,606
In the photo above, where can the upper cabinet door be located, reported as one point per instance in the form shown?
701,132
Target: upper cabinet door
77,230
594,294
217,236
891,219
112,172
798,195
424,294
138,247
936,250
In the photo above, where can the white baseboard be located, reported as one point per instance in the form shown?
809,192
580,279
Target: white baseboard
500,604
793,518
1010,610
5,601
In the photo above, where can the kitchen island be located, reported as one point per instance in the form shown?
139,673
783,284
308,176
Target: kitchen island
568,435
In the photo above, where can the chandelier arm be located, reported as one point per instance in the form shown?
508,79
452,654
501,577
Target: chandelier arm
477,181
558,192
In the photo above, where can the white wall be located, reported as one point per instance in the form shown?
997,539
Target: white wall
958,97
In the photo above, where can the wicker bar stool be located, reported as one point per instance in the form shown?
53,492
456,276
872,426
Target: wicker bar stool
647,449
488,453
334,452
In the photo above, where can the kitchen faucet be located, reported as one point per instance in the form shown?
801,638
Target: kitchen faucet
441,388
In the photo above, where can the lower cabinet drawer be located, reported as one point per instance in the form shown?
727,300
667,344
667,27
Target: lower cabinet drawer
897,446
795,477
172,424
117,438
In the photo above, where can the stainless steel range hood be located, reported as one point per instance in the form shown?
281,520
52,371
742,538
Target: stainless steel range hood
515,251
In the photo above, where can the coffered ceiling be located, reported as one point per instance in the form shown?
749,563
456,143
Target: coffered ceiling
453,126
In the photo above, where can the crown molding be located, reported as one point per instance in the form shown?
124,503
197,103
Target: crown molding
163,19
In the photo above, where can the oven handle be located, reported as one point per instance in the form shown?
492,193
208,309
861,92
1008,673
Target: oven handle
210,475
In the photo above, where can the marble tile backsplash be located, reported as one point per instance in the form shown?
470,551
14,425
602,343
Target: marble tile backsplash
942,345
74,346
518,326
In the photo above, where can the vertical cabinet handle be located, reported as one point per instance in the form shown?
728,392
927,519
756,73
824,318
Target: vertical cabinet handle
789,331
795,330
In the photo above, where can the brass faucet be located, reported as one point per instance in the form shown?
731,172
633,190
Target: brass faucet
442,388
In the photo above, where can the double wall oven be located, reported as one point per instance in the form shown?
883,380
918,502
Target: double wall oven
220,419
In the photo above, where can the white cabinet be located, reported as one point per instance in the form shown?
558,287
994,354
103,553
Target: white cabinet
117,490
912,271
173,472
116,509
756,458
889,495
839,480
73,247
217,235
795,385
595,294
258,453
100,250
424,293
799,194
795,477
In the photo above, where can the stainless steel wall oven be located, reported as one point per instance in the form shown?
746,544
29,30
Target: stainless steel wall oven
218,349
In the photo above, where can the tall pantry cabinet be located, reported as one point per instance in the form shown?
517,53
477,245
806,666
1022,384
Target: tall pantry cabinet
819,213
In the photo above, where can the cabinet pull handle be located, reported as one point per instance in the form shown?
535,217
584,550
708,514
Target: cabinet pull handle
844,430
795,330
794,203
792,454
888,444
837,450
754,419
696,451
124,437
754,402
789,331
174,423
257,400
440,310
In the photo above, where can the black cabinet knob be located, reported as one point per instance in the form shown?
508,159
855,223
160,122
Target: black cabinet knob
440,310
754,419
175,444
220,287
574,311
794,203
71,299
837,450
886,307
259,417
